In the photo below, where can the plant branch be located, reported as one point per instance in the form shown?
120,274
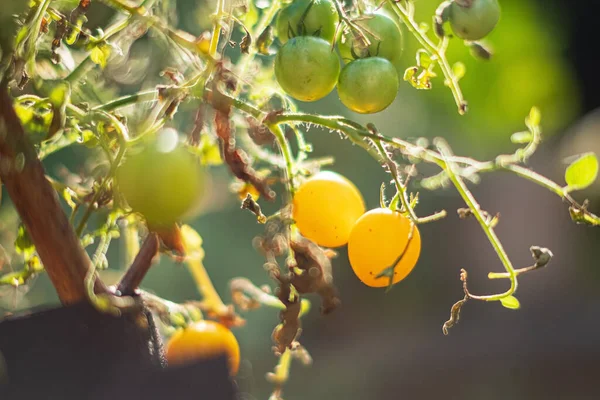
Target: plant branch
22,173
469,199
140,266
438,53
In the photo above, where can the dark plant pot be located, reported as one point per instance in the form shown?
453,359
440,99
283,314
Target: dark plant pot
77,353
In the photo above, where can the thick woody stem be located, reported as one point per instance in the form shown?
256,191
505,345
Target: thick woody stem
140,266
22,173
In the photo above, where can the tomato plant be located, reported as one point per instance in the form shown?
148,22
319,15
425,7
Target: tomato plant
151,135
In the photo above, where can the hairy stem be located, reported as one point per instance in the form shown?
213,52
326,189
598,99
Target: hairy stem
469,199
438,52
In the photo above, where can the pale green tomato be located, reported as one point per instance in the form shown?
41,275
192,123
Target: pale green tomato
320,20
306,68
384,35
163,183
474,22
368,85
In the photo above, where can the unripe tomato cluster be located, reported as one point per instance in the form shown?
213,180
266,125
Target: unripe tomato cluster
307,66
382,243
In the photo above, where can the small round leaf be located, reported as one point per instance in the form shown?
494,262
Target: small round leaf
582,172
511,302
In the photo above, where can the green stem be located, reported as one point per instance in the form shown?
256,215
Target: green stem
399,185
121,102
438,52
86,65
286,152
535,178
469,199
216,33
90,208
267,18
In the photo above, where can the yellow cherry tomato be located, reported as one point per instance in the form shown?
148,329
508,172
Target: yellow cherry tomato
377,240
325,208
203,340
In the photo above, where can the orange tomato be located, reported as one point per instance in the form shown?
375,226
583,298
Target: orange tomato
377,240
326,206
203,340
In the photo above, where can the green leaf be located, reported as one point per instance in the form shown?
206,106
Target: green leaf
521,137
511,302
421,81
534,118
264,41
410,73
23,243
582,172
423,59
459,70
99,55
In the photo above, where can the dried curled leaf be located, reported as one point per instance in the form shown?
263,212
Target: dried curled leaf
285,334
312,273
237,160
259,133
273,243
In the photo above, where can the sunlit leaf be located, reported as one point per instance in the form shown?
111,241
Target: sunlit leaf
521,137
264,41
423,59
459,70
99,55
535,117
582,172
23,243
511,302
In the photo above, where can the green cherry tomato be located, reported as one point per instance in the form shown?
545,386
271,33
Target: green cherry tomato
368,85
474,20
384,35
306,68
162,182
320,20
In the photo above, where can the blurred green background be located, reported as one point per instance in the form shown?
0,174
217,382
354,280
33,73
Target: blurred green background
384,346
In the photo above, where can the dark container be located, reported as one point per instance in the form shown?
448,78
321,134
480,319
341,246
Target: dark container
78,353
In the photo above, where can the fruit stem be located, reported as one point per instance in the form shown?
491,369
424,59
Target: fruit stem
265,21
216,33
475,208
437,52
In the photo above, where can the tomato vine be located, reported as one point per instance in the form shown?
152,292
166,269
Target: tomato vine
243,109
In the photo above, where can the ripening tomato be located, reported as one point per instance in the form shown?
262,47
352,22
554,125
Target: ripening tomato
298,19
385,39
203,340
368,85
474,21
325,208
306,68
377,240
162,182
